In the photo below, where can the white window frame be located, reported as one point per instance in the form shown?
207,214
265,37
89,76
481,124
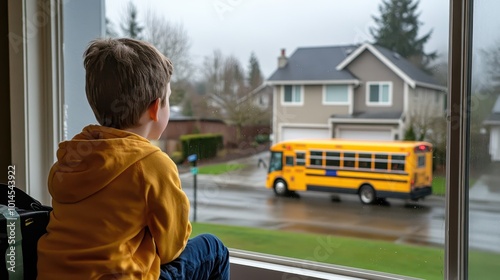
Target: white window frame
292,103
325,102
381,83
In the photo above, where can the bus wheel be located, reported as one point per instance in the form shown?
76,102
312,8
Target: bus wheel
280,188
367,194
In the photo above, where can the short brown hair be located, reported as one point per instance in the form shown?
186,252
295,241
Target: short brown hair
123,77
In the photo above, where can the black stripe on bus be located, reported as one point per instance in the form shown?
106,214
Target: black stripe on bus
353,177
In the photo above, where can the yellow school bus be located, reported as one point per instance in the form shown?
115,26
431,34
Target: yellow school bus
370,169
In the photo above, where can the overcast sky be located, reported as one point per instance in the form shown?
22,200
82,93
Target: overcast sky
238,27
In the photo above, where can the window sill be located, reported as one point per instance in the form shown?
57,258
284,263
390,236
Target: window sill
250,265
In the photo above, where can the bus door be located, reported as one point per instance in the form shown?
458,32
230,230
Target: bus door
421,176
423,166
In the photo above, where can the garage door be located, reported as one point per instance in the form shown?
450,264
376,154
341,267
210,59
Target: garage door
290,133
365,134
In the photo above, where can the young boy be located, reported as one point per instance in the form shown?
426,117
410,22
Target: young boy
119,210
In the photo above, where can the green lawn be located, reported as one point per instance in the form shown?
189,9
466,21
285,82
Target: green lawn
439,185
415,261
219,168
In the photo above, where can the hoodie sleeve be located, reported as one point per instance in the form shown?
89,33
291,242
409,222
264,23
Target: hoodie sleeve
168,207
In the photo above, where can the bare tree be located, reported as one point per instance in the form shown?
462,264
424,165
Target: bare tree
226,90
424,113
172,40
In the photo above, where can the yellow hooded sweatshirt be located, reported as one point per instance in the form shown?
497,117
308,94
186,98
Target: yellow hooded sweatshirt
119,210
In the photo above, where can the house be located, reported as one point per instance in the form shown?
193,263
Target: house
350,91
493,122
261,100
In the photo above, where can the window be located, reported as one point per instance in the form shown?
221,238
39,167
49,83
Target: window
336,94
332,159
276,162
289,161
485,27
381,161
300,159
316,158
292,95
398,162
379,93
365,161
349,160
421,161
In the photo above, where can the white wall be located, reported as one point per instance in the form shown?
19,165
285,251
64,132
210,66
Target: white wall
82,21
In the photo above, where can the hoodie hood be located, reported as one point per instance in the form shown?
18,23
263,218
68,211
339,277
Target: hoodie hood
92,159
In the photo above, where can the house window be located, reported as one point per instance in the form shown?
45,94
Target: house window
336,94
379,94
292,95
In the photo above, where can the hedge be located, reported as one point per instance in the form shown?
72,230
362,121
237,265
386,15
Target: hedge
204,145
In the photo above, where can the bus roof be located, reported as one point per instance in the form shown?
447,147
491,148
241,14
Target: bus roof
351,143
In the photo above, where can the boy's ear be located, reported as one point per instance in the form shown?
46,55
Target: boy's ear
154,109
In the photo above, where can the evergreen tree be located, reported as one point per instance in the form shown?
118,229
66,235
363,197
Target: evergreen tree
131,28
110,30
410,134
255,78
397,29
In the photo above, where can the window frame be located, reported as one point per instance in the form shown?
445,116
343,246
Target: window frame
292,103
325,93
380,84
460,55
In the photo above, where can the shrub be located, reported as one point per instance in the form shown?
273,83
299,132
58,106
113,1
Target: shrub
204,145
177,157
262,138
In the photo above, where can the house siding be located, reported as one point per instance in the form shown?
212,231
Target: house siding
368,68
312,111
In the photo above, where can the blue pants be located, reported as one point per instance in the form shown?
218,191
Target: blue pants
205,257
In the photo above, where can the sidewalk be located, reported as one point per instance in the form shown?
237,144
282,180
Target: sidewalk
486,189
252,176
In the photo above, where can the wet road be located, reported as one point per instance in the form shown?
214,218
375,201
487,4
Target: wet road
419,223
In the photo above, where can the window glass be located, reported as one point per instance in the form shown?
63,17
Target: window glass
365,161
276,162
483,182
381,161
336,94
316,158
349,159
300,158
379,93
421,161
292,94
398,162
374,95
332,159
366,84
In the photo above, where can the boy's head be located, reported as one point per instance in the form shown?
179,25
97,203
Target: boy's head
124,77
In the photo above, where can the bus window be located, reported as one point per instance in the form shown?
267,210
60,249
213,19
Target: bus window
365,161
421,161
381,161
289,161
332,159
316,158
398,163
276,162
301,158
349,159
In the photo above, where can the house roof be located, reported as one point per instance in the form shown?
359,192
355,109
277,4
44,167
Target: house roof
494,117
330,64
361,117
315,64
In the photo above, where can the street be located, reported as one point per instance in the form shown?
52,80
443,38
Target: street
419,223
